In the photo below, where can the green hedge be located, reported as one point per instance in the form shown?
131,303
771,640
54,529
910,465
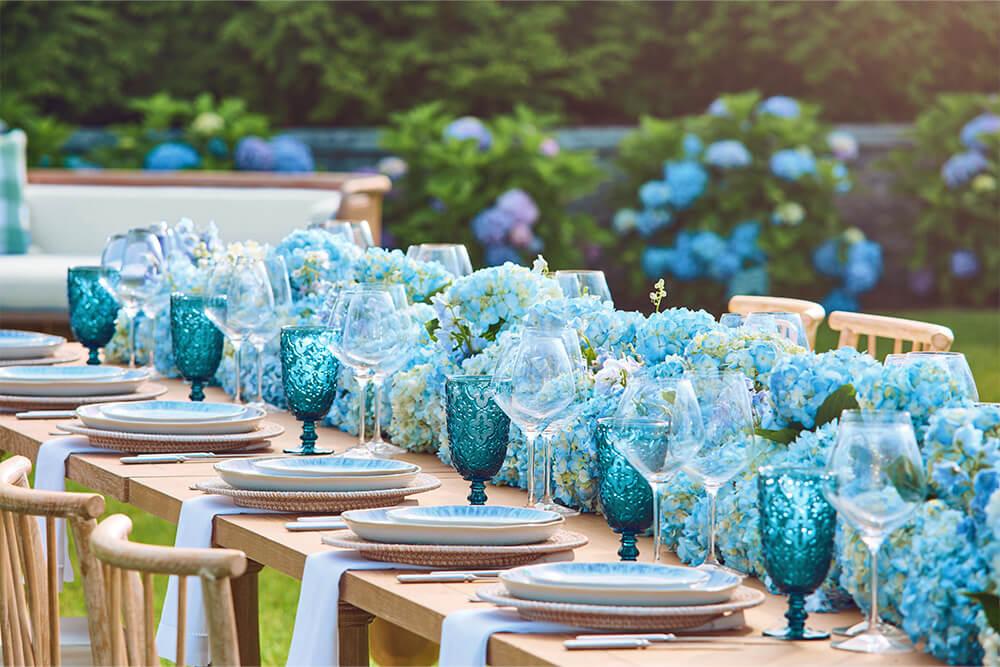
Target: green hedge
354,63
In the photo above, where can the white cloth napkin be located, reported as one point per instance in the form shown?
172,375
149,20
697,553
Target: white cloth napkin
194,530
50,475
315,637
466,633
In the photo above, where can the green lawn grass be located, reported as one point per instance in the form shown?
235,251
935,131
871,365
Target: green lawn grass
977,334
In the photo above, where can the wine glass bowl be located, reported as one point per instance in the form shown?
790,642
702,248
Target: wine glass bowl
452,256
132,269
309,379
195,340
584,283
954,363
478,431
357,232
92,309
788,325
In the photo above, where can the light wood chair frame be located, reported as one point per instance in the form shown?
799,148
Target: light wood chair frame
812,313
29,576
128,569
923,336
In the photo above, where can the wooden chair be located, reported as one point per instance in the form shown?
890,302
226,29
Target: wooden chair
812,314
128,570
922,335
29,583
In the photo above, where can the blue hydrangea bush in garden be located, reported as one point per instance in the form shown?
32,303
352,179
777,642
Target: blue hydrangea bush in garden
498,185
951,169
737,200
949,549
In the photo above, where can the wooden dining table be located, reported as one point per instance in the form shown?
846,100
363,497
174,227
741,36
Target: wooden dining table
160,488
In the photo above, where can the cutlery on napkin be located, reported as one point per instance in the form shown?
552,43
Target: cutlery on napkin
646,640
46,414
305,526
180,458
447,577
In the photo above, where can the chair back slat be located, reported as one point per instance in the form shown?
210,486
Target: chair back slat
35,585
52,576
22,619
114,582
137,563
12,634
921,335
812,313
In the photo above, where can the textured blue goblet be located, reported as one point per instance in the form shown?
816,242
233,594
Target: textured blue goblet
797,527
309,377
478,431
626,498
196,342
92,309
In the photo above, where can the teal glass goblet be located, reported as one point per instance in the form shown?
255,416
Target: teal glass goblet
797,527
478,431
92,309
625,495
196,342
309,378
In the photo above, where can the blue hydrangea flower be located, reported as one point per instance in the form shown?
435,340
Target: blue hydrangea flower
751,280
727,154
964,263
686,266
470,127
779,105
253,154
291,154
519,205
656,262
827,260
490,226
685,181
724,266
172,156
654,194
743,241
793,163
625,220
706,246
864,266
960,168
718,108
217,147
692,145
985,123
499,254
653,220
921,281
841,299
668,333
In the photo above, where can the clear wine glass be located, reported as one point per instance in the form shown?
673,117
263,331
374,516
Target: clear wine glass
376,445
453,256
731,320
788,325
132,267
671,402
727,416
240,301
359,233
876,483
584,282
270,326
953,363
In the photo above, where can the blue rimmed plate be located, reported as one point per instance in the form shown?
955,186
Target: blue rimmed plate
630,575
16,344
327,466
94,417
244,474
126,383
173,411
60,373
473,516
377,525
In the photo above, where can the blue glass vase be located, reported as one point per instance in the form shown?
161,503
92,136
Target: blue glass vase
626,497
797,526
478,431
309,378
196,342
92,309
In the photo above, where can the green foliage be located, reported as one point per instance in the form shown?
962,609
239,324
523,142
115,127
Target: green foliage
967,216
448,182
354,63
739,194
46,134
991,607
842,398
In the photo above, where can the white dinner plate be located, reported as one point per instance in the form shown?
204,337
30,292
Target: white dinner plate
60,373
377,526
126,384
95,417
333,466
474,516
173,411
623,575
15,344
243,474
716,588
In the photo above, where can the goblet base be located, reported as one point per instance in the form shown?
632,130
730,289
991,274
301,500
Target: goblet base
876,641
307,451
561,510
862,626
787,633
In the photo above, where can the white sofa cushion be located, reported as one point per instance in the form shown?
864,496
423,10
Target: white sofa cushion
37,281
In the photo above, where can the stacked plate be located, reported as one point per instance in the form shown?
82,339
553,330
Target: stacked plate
472,525
171,417
317,474
29,346
69,381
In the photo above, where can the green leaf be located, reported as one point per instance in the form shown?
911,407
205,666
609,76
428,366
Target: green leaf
842,399
491,333
784,435
991,607
431,326
907,478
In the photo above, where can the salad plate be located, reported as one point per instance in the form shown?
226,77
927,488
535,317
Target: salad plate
15,344
247,475
335,466
474,516
126,383
381,526
60,373
618,575
95,416
173,411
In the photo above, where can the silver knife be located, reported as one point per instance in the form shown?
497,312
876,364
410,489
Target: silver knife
46,414
180,458
447,577
646,640
306,526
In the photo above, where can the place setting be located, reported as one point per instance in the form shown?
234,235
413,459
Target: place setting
32,348
67,387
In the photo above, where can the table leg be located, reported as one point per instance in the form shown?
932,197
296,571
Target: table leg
353,625
247,617
393,646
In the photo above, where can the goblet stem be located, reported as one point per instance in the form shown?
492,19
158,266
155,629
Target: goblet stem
259,347
713,492
94,359
377,410
657,494
197,392
363,389
477,493
529,437
547,473
628,550
237,346
874,621
796,615
132,315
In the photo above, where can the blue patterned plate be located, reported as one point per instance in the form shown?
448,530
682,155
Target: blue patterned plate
622,575
473,516
377,526
16,344
60,373
173,411
16,337
332,466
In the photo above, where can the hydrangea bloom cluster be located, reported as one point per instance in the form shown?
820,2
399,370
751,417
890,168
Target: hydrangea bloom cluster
920,388
853,260
282,153
505,229
754,354
798,384
422,280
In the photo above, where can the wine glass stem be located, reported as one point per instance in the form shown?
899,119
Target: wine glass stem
529,437
873,617
362,399
547,472
132,316
712,492
237,346
656,521
260,371
377,408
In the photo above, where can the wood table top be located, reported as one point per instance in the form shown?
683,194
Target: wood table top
161,488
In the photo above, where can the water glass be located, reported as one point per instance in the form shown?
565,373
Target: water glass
626,497
196,342
788,325
583,283
309,378
478,431
92,309
953,363
797,527
453,256
358,233
876,483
